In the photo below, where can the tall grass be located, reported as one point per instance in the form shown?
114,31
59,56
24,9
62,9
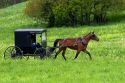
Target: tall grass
108,54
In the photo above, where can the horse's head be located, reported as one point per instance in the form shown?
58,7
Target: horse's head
93,36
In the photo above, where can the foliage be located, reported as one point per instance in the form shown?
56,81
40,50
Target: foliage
71,12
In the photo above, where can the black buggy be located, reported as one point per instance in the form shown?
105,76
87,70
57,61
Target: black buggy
26,44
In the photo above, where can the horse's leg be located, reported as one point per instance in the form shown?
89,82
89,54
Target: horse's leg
77,54
63,53
88,54
57,53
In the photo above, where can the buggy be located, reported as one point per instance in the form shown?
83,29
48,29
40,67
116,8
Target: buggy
26,44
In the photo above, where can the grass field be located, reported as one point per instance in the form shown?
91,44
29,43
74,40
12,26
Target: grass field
107,66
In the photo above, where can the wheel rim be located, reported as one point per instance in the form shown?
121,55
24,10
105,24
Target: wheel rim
13,52
36,54
7,53
40,53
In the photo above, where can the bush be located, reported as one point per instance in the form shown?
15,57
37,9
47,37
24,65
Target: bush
71,12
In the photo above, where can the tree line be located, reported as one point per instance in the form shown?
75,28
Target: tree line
72,12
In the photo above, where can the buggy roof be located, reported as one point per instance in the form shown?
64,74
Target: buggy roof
31,30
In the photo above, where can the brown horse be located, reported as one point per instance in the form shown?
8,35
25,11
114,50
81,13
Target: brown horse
78,44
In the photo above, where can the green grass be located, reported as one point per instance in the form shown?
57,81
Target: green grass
107,66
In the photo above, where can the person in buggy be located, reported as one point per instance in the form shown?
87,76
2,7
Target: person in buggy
36,45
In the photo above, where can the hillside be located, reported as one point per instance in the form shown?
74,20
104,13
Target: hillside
11,18
108,54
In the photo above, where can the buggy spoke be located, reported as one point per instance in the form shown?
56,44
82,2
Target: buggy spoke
12,52
41,52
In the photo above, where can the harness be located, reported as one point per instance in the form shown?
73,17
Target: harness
77,41
83,41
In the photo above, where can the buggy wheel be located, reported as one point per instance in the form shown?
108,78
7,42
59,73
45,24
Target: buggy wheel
40,53
13,52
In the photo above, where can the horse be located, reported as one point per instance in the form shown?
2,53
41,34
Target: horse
79,44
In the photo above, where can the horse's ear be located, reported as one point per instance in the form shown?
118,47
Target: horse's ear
93,32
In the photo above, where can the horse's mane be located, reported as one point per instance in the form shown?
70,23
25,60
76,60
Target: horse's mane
86,35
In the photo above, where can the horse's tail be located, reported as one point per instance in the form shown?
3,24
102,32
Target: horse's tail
54,45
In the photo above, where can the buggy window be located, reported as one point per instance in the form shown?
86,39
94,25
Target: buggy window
33,38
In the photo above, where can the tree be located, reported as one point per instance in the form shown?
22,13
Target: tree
72,12
102,7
